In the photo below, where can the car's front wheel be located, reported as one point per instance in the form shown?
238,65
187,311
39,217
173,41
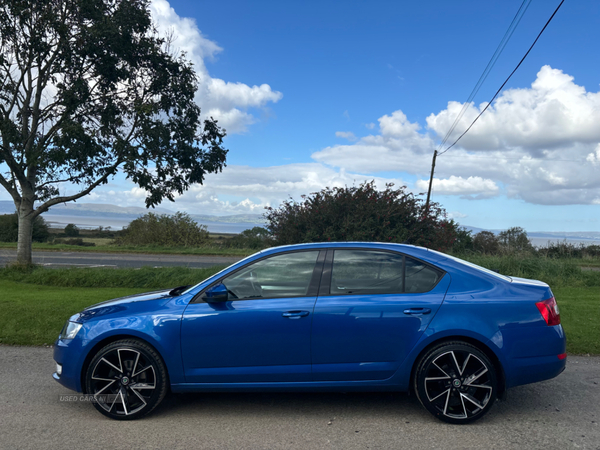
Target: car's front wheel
127,379
456,382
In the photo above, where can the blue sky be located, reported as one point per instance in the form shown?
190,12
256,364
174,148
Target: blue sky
323,93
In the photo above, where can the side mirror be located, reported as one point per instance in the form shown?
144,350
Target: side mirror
216,294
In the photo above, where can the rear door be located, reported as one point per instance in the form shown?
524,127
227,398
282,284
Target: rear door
372,308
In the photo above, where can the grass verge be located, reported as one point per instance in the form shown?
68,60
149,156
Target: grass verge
146,277
35,304
210,250
34,315
580,317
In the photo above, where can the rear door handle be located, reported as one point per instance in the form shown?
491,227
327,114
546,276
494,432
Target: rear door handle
295,314
417,311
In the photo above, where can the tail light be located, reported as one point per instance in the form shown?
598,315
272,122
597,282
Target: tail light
549,310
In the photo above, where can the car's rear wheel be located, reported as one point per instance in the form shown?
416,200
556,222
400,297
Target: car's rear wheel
456,382
127,379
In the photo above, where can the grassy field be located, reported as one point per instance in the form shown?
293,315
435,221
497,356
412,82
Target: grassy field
35,304
580,317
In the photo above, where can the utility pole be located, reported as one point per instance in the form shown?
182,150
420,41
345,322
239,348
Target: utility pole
430,183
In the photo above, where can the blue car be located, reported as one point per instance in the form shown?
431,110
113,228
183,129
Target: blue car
327,316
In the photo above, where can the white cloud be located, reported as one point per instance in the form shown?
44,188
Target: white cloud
244,189
349,135
397,125
594,157
250,189
472,187
457,215
225,101
541,144
554,112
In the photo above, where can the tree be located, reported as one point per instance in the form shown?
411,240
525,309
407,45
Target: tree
72,230
88,88
515,239
361,213
9,228
486,242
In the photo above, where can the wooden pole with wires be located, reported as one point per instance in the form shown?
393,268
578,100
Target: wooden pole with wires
430,183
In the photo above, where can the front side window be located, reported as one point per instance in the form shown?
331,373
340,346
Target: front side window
286,275
366,272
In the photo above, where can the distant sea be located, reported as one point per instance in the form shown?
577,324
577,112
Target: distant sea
543,242
118,223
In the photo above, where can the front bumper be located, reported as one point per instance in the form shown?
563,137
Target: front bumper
68,353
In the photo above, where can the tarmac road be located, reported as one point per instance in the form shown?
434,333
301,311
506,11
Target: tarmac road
562,413
83,259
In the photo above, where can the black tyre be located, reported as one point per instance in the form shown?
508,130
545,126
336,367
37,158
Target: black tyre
127,378
456,382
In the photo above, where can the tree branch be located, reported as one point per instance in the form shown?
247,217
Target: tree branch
55,201
11,190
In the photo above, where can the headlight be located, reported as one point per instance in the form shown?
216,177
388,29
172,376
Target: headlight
70,330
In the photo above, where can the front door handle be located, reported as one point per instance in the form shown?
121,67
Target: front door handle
295,314
417,311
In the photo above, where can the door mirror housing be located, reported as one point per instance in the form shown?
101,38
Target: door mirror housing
216,294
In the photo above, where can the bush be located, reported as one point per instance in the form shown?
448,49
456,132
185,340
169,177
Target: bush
567,250
177,230
361,214
9,228
255,238
464,241
486,243
71,230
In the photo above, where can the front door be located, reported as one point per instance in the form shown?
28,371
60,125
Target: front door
262,332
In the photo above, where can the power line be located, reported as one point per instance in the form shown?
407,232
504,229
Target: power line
509,32
436,153
509,77
523,159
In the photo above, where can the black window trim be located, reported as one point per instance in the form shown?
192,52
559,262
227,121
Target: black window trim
313,286
325,287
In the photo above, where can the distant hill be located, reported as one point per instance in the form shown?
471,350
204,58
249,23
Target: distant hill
128,213
88,209
236,218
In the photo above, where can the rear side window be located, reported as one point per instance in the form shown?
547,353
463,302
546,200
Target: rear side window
376,272
419,277
366,272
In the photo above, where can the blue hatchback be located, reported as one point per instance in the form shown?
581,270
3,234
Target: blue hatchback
328,316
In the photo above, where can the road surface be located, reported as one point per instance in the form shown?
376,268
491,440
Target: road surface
85,259
562,413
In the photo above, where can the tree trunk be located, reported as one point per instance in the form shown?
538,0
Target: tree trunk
25,214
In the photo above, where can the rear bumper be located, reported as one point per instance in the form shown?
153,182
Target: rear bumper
532,370
537,358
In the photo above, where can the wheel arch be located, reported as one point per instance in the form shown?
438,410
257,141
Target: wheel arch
475,343
109,340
